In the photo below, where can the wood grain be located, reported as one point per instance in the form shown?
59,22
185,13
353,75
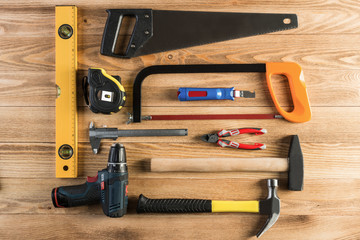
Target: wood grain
320,160
314,18
180,226
40,125
326,45
321,52
337,88
293,203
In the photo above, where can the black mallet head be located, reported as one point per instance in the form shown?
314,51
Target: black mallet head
296,165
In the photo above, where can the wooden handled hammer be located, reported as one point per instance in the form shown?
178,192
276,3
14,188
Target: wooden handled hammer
293,164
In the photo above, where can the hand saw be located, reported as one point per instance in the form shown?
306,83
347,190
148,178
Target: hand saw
158,31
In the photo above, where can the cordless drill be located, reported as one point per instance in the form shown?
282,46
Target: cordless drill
109,186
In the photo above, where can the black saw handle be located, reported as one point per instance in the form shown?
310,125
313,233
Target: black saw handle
142,32
172,205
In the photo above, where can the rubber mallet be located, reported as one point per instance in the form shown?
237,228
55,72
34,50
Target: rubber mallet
293,164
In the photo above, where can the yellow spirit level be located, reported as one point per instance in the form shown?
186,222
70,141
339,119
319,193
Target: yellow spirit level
66,112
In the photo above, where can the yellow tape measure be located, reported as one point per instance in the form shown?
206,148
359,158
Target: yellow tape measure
66,112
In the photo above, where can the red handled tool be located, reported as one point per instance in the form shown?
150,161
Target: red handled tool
216,138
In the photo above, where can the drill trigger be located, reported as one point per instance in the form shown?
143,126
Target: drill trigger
92,179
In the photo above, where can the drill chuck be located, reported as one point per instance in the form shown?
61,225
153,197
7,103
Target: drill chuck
117,159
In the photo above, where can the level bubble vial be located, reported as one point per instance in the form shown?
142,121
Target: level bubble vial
66,151
65,31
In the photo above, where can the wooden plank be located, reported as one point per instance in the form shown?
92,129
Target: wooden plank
28,88
322,52
19,21
37,124
319,198
199,226
336,88
326,45
30,21
324,17
327,160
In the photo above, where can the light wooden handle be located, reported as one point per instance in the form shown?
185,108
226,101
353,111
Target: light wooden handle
219,164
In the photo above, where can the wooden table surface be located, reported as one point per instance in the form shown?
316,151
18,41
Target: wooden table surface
326,44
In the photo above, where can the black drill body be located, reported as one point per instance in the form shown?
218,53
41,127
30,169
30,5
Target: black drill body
109,187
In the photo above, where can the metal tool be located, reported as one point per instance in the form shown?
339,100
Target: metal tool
216,138
96,134
66,109
293,72
270,206
205,117
158,31
105,94
109,187
293,164
196,94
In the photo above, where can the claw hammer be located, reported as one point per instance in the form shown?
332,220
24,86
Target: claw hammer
270,206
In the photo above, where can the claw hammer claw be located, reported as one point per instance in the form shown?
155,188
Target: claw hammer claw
270,206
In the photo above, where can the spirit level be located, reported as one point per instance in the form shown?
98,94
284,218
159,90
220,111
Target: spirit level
66,112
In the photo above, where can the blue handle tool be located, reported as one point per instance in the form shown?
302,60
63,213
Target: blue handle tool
194,94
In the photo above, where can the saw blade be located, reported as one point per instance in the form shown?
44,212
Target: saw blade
180,29
158,31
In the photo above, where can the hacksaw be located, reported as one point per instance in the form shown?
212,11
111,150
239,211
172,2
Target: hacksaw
66,112
293,72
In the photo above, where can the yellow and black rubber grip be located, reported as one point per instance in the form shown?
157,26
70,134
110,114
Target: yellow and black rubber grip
173,205
176,205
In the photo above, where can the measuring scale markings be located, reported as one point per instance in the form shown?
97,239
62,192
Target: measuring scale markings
66,112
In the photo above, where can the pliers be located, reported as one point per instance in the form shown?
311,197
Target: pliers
216,138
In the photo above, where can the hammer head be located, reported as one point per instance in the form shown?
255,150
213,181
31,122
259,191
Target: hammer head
296,165
270,206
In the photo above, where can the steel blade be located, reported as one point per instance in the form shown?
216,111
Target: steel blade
181,29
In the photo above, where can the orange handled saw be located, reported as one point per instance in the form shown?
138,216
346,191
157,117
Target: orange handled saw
293,72
295,76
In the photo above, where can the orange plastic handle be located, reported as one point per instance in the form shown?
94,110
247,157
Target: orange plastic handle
295,76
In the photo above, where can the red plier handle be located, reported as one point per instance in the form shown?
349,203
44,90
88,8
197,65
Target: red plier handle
227,143
231,144
227,133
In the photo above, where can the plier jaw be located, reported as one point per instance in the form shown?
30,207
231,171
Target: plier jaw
211,138
215,138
